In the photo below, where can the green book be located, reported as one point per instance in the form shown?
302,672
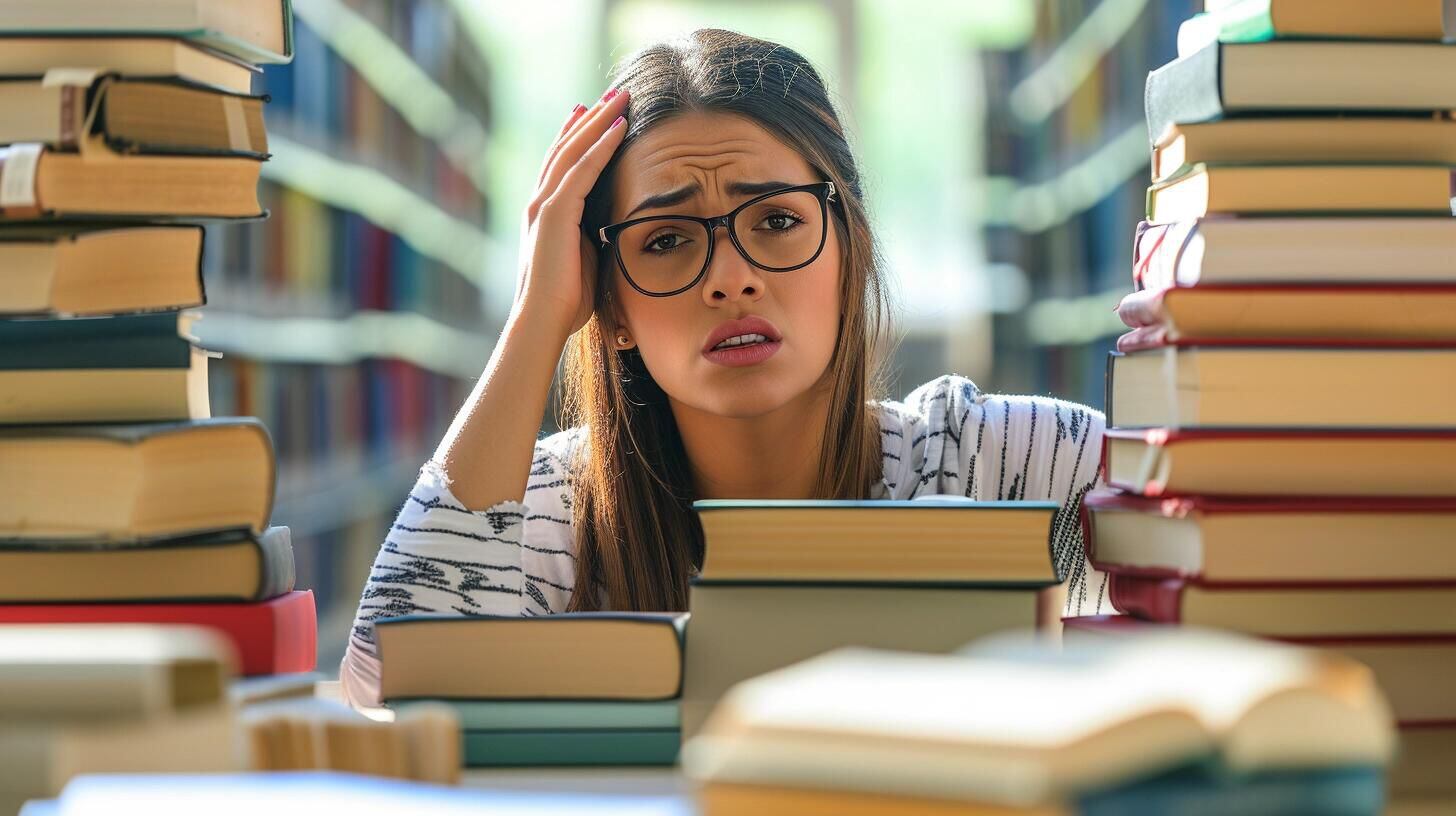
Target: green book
134,341
656,746
563,715
255,31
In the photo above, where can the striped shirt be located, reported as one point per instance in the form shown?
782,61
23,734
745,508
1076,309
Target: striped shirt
518,558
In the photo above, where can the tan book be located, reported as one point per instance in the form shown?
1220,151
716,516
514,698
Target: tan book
304,734
56,270
955,540
47,183
134,481
132,56
1325,188
1423,769
1273,386
1310,313
580,655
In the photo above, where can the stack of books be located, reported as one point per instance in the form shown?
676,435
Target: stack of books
785,580
1284,417
579,688
111,698
121,498
1172,722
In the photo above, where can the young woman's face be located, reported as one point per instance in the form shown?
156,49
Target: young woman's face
711,152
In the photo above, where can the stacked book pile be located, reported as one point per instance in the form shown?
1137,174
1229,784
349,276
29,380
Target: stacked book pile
785,580
122,499
1172,722
569,689
1284,416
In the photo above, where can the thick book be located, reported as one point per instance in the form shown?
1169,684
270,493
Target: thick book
935,540
277,636
1315,314
1281,462
994,726
1348,609
1305,140
1265,386
558,748
1302,189
304,734
1223,80
1262,20
231,565
579,655
158,116
557,715
134,481
743,630
93,672
1411,671
38,56
132,368
259,31
42,183
1303,539
1346,250
66,270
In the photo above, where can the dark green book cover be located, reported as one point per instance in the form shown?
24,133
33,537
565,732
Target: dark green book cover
599,747
147,340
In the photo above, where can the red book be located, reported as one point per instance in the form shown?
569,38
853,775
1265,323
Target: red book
1412,671
1346,610
1281,462
277,636
1294,540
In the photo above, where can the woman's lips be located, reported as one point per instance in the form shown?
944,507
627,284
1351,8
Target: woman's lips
735,356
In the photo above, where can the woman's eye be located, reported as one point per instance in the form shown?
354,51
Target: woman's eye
779,222
664,242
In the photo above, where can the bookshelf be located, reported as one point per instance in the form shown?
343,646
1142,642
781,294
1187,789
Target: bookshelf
352,322
1067,163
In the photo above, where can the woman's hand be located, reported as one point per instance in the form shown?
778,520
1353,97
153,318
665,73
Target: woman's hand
1142,312
557,279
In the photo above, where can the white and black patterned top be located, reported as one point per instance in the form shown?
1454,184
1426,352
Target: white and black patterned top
518,558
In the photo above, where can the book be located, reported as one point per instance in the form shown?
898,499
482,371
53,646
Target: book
277,636
231,565
1274,387
132,56
1330,610
47,184
1223,80
109,671
579,655
157,116
981,727
1427,754
555,748
136,367
304,734
1314,539
1294,250
1262,20
742,630
956,540
1305,140
1324,314
70,270
557,715
134,481
1281,462
1408,669
259,31
1291,189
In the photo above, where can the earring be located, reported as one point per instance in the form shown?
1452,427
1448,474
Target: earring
623,340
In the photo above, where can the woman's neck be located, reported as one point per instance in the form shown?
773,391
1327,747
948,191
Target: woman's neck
770,456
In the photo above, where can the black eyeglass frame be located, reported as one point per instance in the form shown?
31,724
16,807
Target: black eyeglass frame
823,190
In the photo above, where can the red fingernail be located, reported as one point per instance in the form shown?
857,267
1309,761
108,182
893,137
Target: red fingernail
609,94
619,120
578,109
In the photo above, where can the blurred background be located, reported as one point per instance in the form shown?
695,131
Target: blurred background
1005,157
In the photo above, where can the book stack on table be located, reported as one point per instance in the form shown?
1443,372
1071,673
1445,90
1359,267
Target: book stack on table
1283,437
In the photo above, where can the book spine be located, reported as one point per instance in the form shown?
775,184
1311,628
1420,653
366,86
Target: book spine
1153,599
1183,91
506,748
19,171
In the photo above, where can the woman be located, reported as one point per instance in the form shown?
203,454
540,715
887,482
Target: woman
698,364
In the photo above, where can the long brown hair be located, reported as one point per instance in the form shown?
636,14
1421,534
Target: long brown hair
638,539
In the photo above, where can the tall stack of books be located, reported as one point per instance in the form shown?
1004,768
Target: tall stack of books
785,580
578,688
1171,722
1284,441
121,498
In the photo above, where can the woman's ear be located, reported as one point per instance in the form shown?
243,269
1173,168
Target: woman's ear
621,336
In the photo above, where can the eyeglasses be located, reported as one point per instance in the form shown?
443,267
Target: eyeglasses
779,231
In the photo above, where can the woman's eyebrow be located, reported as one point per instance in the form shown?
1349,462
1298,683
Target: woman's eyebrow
682,194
